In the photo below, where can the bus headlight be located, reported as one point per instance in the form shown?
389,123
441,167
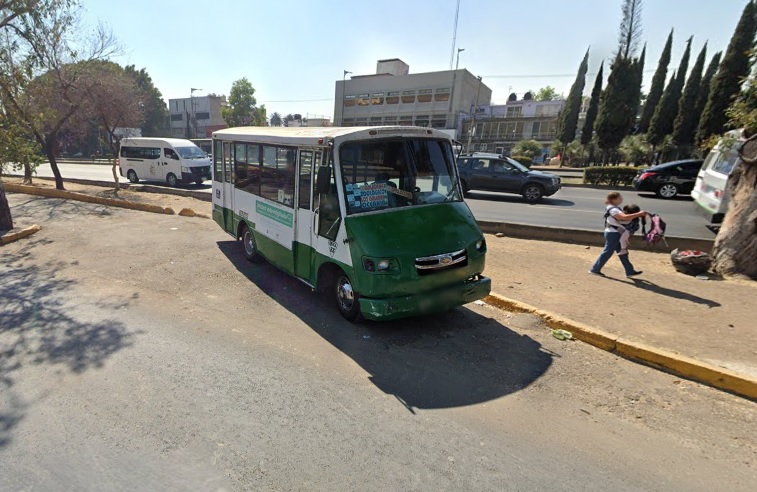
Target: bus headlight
481,245
380,265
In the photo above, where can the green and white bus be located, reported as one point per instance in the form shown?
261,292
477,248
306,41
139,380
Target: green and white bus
374,216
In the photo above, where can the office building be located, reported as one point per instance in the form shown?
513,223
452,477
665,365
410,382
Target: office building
196,117
394,96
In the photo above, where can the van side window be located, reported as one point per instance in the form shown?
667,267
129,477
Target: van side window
170,154
218,161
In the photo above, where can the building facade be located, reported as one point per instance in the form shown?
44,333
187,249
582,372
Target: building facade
394,96
196,117
498,128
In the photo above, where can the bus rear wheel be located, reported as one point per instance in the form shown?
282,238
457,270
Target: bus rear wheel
347,300
250,248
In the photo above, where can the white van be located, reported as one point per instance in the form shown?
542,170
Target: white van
710,188
168,160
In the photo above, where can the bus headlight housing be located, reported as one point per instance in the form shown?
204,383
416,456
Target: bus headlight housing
481,245
380,265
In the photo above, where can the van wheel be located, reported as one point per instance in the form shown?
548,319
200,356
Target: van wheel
667,190
532,193
347,300
171,179
250,248
132,175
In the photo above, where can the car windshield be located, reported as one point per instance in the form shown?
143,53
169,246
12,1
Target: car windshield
517,165
193,152
397,173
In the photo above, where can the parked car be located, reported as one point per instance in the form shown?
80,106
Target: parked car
670,179
506,175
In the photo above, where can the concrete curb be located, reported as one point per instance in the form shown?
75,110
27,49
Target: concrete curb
581,236
10,237
70,195
657,358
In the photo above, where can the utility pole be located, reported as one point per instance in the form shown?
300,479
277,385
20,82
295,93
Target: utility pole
344,89
472,127
457,64
454,35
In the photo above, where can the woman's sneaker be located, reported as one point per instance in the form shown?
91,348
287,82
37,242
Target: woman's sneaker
633,274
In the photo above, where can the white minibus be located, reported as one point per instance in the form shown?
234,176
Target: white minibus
710,188
168,160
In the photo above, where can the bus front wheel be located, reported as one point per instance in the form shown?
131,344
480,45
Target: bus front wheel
347,300
248,241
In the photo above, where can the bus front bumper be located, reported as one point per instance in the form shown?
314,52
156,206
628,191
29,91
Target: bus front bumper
427,302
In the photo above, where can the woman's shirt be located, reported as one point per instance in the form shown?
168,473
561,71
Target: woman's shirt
611,223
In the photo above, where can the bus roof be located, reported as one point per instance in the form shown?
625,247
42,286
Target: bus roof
312,135
180,142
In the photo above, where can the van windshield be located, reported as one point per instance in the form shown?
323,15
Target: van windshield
395,173
193,152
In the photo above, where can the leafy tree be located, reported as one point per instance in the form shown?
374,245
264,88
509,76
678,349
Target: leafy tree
684,126
276,119
242,109
568,122
630,29
727,82
547,93
704,87
657,87
665,114
18,151
527,148
591,113
634,149
155,110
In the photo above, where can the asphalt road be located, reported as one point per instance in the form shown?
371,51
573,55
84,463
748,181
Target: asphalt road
571,207
142,352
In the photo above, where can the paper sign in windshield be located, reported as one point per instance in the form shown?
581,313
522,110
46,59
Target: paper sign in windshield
374,195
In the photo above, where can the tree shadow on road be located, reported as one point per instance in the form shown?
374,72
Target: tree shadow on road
447,360
41,324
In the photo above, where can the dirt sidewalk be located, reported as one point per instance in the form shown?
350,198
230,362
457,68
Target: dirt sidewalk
710,320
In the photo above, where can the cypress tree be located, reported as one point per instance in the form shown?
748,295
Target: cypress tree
658,85
639,67
591,114
568,123
727,82
665,114
704,87
617,104
684,126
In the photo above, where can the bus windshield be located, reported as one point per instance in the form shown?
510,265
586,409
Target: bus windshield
395,173
193,152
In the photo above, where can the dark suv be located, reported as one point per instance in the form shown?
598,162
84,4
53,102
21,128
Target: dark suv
670,179
505,175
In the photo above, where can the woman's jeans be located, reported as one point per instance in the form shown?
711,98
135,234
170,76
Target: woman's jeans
612,245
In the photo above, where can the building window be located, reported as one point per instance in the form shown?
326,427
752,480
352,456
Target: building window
441,95
202,116
408,97
361,122
378,98
390,120
177,117
535,129
363,100
514,112
437,123
424,95
278,177
393,97
349,101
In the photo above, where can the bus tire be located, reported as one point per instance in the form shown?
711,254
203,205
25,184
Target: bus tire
132,175
347,300
171,179
249,246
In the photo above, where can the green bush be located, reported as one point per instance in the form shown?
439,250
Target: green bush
610,175
526,161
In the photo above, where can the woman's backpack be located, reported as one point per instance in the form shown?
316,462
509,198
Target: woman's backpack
656,232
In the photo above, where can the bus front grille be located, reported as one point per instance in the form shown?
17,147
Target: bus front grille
427,265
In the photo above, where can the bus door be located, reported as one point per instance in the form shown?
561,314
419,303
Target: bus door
305,233
217,190
227,193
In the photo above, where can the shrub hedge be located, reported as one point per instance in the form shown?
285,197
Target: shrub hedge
610,175
526,161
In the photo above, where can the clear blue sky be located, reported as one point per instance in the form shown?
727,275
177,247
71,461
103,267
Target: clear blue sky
294,50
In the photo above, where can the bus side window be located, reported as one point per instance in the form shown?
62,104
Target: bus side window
228,150
305,172
218,161
328,208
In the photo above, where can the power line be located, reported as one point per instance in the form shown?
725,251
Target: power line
298,100
541,75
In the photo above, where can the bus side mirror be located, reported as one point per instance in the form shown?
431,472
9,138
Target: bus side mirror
323,180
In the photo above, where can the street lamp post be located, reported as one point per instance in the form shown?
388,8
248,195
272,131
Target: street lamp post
341,110
192,107
473,119
457,63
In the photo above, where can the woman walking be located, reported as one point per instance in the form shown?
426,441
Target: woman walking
614,220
